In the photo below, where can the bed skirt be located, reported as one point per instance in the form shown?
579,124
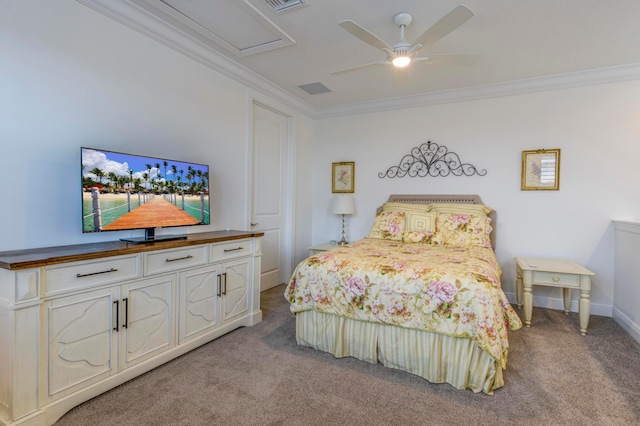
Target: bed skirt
435,357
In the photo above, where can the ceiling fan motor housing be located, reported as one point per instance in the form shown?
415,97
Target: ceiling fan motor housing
403,18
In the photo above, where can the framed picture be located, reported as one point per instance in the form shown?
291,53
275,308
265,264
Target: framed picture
541,170
343,177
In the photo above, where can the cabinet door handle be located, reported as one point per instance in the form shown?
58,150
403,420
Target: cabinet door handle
556,279
179,258
225,283
117,315
219,289
126,312
254,224
234,249
96,273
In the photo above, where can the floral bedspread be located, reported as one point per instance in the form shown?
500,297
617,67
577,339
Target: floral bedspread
443,289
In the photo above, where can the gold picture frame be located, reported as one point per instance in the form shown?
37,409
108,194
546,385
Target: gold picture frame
343,177
541,170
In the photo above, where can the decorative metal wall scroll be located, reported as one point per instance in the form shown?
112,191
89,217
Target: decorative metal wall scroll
431,159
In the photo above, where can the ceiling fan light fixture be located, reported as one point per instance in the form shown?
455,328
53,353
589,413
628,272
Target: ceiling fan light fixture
401,61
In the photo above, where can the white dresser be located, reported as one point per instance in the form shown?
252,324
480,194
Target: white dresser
80,320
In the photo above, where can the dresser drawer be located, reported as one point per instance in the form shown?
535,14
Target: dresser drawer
174,260
556,279
230,250
94,273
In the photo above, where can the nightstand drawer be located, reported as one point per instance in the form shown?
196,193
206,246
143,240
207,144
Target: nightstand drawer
556,279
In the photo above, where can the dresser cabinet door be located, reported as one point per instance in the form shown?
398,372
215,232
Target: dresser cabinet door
235,289
82,346
199,290
146,319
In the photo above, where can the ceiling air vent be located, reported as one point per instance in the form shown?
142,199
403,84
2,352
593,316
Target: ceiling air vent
281,6
315,88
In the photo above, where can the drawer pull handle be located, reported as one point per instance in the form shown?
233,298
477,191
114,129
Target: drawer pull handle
179,258
224,292
117,316
126,312
556,279
234,249
96,273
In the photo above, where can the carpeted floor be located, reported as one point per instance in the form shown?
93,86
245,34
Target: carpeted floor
259,376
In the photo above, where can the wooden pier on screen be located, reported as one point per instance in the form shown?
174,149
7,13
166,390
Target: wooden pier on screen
155,212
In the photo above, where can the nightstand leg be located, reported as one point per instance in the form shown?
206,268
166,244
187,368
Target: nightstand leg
585,310
519,288
528,305
566,293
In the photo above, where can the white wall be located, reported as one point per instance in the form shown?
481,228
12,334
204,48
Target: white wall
596,128
72,77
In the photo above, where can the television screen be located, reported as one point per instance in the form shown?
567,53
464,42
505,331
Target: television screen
126,191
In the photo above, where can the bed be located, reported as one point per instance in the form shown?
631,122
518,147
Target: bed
421,294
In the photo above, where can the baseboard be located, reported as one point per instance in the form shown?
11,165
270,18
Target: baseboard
558,304
627,324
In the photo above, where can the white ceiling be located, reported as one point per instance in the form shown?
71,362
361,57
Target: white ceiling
517,41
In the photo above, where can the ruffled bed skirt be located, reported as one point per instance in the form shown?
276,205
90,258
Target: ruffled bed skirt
435,357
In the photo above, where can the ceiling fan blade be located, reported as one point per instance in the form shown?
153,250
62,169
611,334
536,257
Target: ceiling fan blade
445,25
364,34
359,67
451,60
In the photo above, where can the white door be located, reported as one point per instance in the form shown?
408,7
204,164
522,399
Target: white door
269,202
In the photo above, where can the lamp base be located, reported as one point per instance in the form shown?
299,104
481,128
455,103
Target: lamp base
343,241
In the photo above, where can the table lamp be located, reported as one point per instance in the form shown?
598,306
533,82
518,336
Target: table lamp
343,205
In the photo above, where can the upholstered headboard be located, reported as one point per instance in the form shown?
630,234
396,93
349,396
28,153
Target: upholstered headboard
444,198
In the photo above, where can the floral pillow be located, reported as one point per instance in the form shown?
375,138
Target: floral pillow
423,237
464,229
388,226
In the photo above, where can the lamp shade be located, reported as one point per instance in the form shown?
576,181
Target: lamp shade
343,205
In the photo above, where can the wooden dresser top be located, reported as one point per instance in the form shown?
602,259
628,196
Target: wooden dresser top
38,257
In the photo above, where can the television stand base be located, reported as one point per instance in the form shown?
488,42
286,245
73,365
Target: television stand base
143,240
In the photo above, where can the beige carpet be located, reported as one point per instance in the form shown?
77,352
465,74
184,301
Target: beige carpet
259,376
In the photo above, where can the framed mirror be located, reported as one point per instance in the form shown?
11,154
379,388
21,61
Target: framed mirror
541,170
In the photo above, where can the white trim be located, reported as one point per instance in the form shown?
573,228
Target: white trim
127,13
131,15
627,324
508,88
558,305
289,198
633,227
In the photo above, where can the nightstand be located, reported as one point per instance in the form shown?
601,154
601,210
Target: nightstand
321,247
553,273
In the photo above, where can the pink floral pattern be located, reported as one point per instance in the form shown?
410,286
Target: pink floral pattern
388,225
463,229
437,288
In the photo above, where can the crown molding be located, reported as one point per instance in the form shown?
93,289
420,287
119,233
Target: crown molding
509,88
131,14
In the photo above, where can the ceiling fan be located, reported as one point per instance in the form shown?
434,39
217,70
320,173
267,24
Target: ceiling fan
403,53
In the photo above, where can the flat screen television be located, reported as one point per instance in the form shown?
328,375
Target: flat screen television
123,191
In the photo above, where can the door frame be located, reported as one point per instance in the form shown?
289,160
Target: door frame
289,185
